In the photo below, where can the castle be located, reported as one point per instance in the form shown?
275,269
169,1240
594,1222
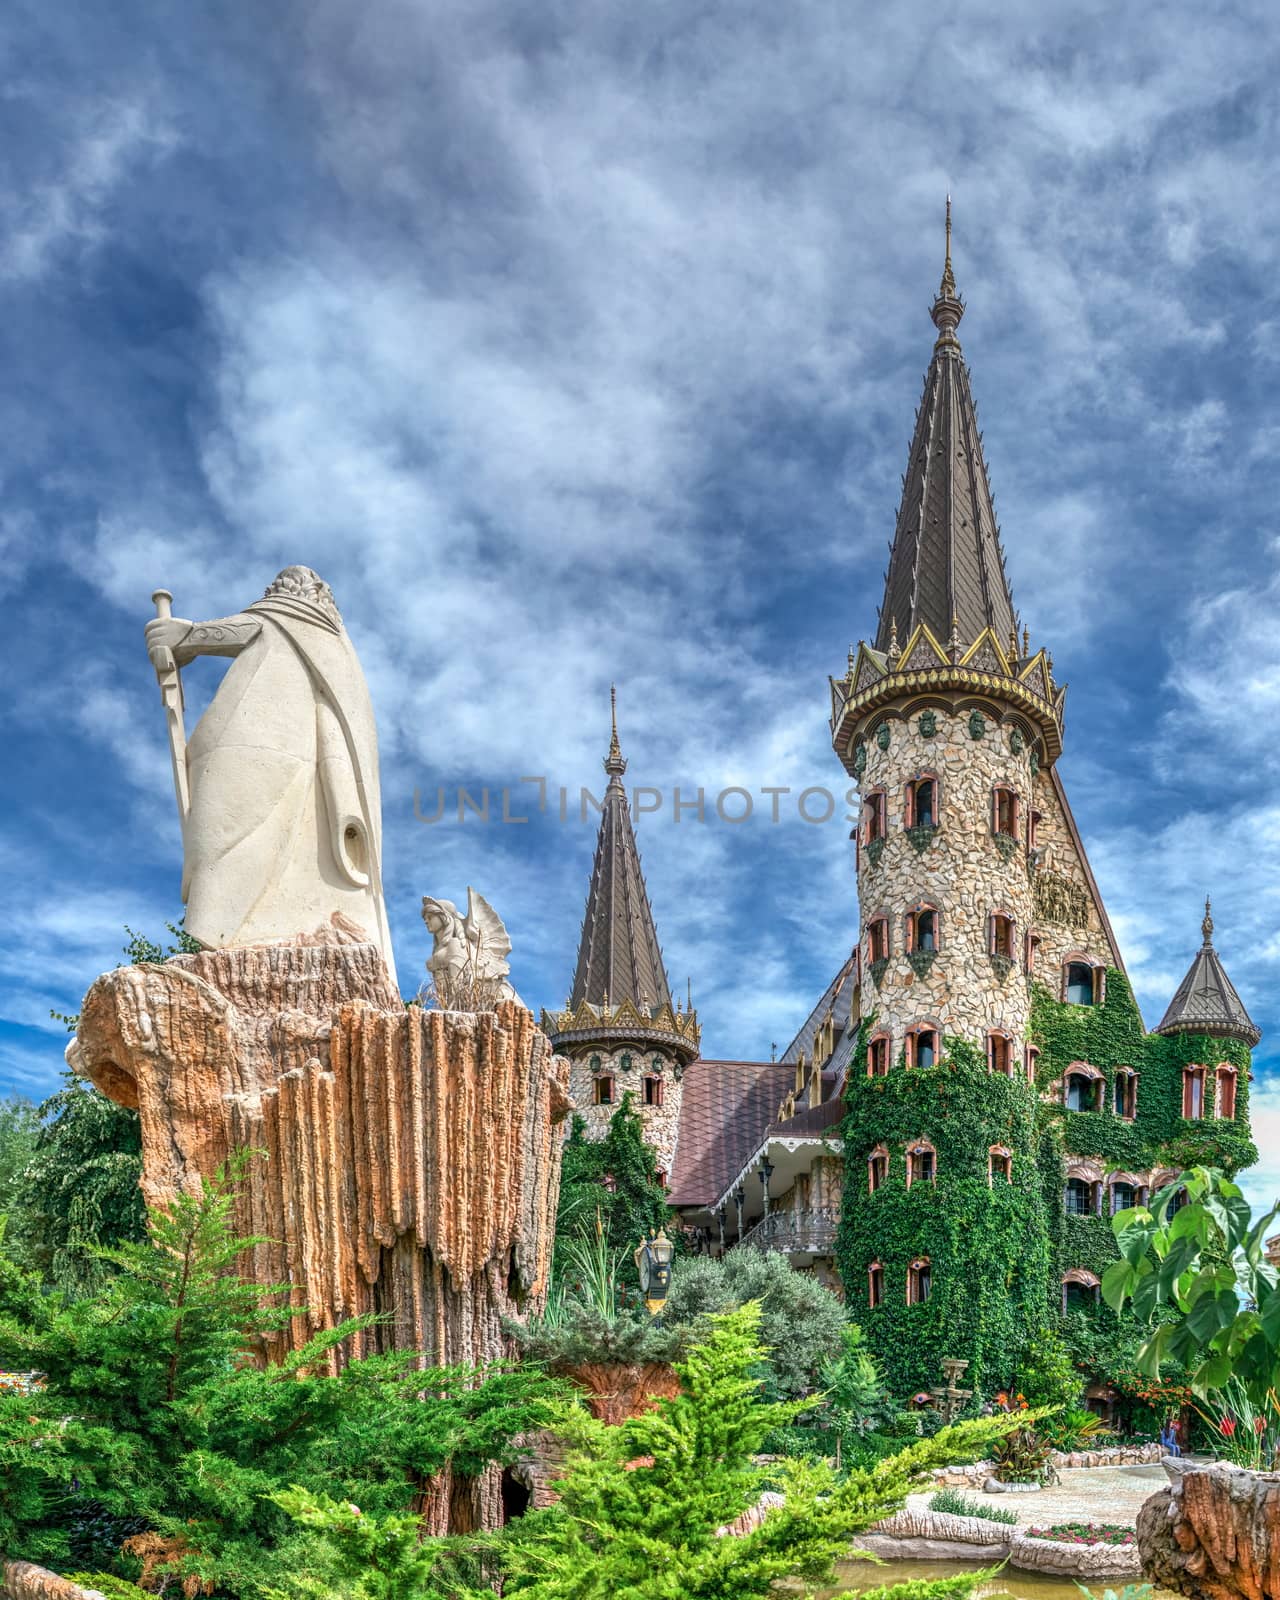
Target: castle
975,1093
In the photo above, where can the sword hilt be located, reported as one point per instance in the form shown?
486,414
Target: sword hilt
162,659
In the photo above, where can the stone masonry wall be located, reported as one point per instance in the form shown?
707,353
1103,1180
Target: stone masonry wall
660,1123
961,872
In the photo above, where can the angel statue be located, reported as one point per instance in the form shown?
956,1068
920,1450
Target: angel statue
468,965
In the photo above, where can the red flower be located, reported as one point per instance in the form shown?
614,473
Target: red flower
1259,1426
1227,1427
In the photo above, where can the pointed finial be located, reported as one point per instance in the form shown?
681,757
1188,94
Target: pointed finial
688,994
853,660
1013,643
1026,641
614,763
948,307
893,652
1206,927
953,643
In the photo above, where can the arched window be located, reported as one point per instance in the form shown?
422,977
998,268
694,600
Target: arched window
1032,1062
1000,935
1078,1198
875,1285
1033,950
1125,1093
1225,1098
1000,1053
1081,1087
922,929
919,1281
875,816
1033,831
921,809
922,1163
1193,1093
922,1046
999,1163
1126,1191
1079,1290
652,1091
1004,811
878,939
603,1090
877,1168
661,1175
1080,983
878,1056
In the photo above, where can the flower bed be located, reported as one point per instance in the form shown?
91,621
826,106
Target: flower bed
1084,1533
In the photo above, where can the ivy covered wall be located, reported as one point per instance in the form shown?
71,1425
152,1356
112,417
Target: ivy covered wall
998,1252
987,1242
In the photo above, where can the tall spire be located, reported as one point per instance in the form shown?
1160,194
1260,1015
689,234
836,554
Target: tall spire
946,561
619,957
1206,1001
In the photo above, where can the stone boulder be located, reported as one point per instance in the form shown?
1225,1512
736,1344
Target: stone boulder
1214,1534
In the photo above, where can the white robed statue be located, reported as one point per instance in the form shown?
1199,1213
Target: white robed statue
282,825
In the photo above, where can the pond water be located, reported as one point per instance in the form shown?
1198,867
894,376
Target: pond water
858,1575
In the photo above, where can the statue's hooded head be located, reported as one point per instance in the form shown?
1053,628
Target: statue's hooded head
301,586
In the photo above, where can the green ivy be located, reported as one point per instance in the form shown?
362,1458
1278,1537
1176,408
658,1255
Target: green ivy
998,1253
988,1243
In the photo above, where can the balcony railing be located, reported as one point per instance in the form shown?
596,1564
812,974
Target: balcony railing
810,1231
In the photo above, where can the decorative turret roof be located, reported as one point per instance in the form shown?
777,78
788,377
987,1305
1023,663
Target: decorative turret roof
1206,1001
620,986
946,568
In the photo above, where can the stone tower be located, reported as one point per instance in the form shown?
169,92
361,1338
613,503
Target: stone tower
973,890
971,875
619,1028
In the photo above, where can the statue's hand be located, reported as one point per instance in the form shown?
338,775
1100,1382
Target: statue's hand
166,633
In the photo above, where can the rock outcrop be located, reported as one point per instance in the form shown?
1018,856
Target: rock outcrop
23,1580
1214,1534
412,1158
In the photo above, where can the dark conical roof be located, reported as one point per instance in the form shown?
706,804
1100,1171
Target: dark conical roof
619,957
946,563
1206,1001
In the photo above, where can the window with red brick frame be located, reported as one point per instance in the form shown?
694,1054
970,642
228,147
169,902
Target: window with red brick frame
1193,1093
875,1285
878,939
1000,935
922,928
922,1045
1004,811
1000,1053
921,802
919,1281
875,816
1225,1098
653,1091
878,1056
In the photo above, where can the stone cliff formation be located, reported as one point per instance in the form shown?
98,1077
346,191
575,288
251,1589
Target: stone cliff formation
1214,1534
412,1157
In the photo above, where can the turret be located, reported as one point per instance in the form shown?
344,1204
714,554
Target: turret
619,1026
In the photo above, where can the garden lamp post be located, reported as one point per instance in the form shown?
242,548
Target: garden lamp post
766,1172
653,1263
739,1200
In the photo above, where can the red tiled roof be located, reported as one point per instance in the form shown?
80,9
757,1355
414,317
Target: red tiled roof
725,1106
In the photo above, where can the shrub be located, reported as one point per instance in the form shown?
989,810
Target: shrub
1021,1456
955,1504
801,1323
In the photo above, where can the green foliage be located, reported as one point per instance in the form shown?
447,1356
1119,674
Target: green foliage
382,1558
801,1323
610,1183
1205,1262
150,1412
640,1503
997,1258
78,1190
1075,1429
955,1504
108,1584
1047,1374
987,1243
1129,1591
1022,1456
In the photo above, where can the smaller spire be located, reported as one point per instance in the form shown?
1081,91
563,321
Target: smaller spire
614,763
893,651
1206,927
948,307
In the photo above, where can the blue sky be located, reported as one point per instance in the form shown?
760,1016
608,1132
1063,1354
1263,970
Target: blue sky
582,342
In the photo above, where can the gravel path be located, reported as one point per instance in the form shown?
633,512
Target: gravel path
1085,1494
